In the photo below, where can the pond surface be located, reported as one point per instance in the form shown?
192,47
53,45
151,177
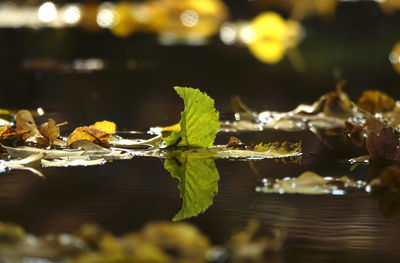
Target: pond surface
124,195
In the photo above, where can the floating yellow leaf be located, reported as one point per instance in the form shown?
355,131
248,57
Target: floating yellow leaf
88,134
105,126
99,133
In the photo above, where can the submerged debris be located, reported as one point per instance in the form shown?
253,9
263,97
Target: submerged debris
156,242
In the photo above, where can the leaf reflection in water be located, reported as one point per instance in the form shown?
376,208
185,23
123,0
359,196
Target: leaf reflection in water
198,183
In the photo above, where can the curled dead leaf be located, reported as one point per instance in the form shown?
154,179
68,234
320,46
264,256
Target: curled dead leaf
356,133
26,124
375,101
337,103
50,130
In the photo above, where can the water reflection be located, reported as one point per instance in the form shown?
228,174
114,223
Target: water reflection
198,183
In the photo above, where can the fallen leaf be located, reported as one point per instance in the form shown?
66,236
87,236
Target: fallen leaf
26,124
199,121
375,101
310,183
105,126
26,151
356,133
89,134
6,132
82,160
50,130
265,151
21,164
328,112
383,146
337,103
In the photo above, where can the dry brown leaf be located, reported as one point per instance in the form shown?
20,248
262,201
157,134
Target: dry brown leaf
375,101
235,143
383,146
50,130
26,124
337,103
7,131
356,133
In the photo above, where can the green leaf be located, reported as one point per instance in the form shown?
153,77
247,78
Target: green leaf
198,183
199,121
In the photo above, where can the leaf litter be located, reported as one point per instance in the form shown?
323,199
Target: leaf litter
373,120
95,144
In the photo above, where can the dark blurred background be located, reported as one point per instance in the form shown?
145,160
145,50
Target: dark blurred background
134,89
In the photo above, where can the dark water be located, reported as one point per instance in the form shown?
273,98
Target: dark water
124,195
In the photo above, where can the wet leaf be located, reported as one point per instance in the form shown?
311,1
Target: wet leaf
384,146
99,133
156,141
83,160
89,134
310,183
356,134
199,121
375,101
328,112
264,151
26,151
164,132
198,183
22,164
